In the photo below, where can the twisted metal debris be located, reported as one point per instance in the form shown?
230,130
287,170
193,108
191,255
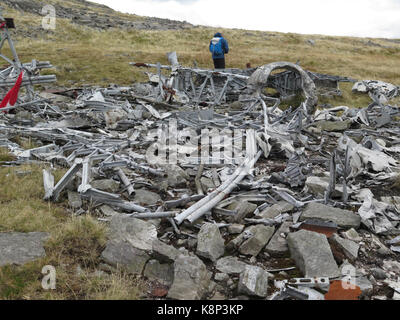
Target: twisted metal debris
338,157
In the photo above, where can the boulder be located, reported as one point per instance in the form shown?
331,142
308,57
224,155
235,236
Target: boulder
277,209
146,197
347,247
352,235
230,265
343,218
221,277
130,243
107,185
333,126
242,208
236,228
210,244
122,255
207,183
163,273
254,282
259,239
278,246
191,279
21,248
108,211
318,186
312,254
74,200
177,177
140,234
164,252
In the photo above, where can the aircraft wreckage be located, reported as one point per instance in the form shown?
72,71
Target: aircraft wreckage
244,185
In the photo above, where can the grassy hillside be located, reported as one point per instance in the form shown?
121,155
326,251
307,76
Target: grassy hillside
84,55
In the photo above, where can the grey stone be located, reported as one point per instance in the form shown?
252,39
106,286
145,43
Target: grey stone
20,248
365,285
192,243
140,234
347,247
122,255
277,209
278,246
212,287
221,277
163,273
235,243
55,98
236,228
207,183
260,238
230,265
146,197
242,208
254,282
318,186
74,200
352,235
210,244
182,242
108,211
347,269
379,274
177,177
191,279
312,254
107,185
164,252
343,218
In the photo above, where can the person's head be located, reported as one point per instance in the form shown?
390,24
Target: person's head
218,35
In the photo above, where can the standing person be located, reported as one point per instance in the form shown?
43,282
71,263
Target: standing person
219,47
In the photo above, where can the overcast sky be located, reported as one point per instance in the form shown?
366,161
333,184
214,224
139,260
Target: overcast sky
364,18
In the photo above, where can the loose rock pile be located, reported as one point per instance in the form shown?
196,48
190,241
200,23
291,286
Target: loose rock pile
97,16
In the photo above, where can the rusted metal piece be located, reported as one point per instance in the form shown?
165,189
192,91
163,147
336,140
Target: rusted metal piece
341,290
141,65
326,228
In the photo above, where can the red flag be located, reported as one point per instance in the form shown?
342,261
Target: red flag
12,95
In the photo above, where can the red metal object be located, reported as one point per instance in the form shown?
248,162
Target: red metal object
12,96
321,227
341,290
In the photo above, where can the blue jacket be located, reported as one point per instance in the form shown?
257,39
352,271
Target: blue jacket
225,47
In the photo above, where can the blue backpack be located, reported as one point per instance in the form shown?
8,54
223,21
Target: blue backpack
216,46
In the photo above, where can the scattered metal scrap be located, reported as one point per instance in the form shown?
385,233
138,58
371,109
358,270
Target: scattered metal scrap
284,162
217,86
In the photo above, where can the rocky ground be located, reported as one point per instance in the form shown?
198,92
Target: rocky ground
97,16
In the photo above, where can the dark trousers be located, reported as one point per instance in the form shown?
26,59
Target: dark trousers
219,63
